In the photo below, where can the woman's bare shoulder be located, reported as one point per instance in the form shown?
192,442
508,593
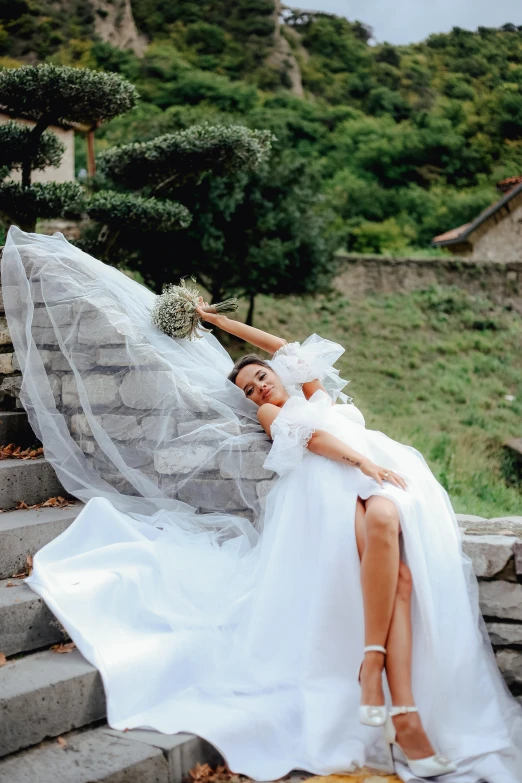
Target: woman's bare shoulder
266,415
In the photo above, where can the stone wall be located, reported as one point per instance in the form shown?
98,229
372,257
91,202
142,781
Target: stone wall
362,275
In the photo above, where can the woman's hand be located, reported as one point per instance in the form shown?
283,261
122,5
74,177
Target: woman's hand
379,474
212,318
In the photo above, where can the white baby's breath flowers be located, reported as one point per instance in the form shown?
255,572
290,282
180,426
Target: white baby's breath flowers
175,313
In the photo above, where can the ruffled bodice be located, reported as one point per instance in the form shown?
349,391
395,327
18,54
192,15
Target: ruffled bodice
298,363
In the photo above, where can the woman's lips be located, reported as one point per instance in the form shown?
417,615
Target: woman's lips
266,393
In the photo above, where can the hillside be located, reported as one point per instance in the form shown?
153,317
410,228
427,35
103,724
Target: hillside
408,140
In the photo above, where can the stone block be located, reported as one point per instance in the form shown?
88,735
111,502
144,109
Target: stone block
248,465
44,335
11,385
263,488
25,532
92,756
182,751
501,599
44,695
99,330
116,426
5,337
212,495
510,664
46,357
507,634
148,390
185,459
159,429
101,389
144,355
6,363
60,313
82,360
490,554
25,621
29,480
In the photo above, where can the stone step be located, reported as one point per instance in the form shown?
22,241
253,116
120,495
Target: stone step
101,755
32,481
15,428
25,621
25,532
46,694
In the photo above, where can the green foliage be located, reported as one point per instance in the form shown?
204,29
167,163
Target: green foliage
13,143
171,160
22,205
62,93
120,210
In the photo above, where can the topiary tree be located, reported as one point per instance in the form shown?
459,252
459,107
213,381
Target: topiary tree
50,95
156,171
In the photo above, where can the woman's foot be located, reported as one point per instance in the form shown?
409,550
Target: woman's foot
411,736
372,692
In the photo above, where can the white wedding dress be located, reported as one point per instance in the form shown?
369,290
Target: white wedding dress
249,633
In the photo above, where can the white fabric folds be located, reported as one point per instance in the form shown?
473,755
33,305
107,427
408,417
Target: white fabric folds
313,359
213,596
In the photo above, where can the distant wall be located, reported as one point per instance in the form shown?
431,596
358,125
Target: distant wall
362,275
64,172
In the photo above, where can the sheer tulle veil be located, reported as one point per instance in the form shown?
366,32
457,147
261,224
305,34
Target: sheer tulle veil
125,412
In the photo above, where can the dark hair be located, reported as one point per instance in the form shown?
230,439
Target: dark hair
244,361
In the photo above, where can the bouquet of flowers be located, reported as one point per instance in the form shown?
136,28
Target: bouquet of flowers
174,311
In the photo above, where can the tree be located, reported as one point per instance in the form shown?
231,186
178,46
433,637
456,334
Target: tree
156,172
50,95
273,233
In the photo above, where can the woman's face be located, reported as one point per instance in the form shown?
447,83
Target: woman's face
261,384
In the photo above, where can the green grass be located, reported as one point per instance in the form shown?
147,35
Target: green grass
430,369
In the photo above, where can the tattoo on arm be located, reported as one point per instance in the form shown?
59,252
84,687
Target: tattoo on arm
352,461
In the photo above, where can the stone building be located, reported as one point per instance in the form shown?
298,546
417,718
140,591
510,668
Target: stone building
495,234
64,172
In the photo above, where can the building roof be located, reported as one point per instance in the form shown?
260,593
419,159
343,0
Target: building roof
505,185
460,234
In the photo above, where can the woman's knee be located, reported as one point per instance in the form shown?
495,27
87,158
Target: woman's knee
404,583
382,519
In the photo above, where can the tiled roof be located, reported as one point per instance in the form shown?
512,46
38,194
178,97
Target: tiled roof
455,235
505,185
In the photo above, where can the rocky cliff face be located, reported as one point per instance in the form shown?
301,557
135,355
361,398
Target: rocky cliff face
114,24
282,56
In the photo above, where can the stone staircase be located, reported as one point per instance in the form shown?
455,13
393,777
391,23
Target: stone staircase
52,706
44,695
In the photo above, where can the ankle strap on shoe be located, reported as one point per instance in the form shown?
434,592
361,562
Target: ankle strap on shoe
376,647
402,710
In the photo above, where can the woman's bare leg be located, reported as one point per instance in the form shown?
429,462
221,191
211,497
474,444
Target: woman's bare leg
379,576
410,731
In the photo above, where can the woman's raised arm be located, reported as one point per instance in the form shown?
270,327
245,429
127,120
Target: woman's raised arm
263,340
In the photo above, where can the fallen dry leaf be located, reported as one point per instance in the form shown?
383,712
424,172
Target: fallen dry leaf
203,773
3,659
11,451
63,648
61,742
28,565
57,502
11,584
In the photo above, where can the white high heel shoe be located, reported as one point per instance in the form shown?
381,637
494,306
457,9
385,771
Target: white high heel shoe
369,714
423,768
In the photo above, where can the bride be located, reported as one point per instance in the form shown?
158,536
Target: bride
235,608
